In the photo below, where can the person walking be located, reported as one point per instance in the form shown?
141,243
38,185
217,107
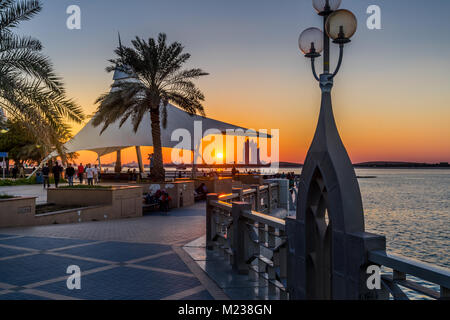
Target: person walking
80,173
90,175
15,170
46,175
96,174
21,172
57,169
70,173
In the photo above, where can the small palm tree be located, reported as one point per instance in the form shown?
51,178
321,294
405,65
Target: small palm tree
30,91
161,80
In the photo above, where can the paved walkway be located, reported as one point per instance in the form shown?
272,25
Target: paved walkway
34,190
122,259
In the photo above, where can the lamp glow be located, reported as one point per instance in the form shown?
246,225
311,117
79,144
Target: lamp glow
341,25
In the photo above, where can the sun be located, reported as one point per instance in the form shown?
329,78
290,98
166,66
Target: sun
219,156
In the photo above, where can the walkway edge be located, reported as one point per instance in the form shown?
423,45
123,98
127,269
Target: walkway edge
214,290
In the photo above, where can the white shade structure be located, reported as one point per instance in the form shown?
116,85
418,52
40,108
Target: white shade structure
116,138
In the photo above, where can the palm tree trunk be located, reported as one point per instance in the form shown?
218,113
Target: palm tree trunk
158,172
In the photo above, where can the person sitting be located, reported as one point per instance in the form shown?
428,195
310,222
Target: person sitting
201,192
161,198
164,201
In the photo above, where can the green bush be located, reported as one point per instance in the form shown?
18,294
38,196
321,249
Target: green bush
17,182
24,182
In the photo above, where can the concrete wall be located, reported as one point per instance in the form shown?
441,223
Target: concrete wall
17,212
123,202
95,205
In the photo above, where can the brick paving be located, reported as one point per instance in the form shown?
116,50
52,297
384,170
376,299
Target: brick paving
120,259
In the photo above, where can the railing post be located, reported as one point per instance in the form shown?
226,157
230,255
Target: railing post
239,245
257,197
239,191
445,293
269,197
210,228
359,245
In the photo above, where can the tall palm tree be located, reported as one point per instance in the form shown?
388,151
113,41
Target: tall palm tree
30,91
161,80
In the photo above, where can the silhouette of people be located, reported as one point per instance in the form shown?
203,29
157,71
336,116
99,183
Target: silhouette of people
46,175
57,169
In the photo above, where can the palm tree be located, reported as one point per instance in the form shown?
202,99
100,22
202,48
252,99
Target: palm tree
161,80
30,91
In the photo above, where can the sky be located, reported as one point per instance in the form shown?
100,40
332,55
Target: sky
391,97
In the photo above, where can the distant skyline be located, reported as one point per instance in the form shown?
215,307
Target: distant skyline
391,99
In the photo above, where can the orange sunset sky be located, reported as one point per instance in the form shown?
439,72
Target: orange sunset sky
391,98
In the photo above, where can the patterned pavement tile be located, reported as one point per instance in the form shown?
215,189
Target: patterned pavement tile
170,262
26,270
7,252
117,251
125,283
38,243
20,296
2,236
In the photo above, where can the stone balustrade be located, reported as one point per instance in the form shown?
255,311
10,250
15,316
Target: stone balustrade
257,244
254,243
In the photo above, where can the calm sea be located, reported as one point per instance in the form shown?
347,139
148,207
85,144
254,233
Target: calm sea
411,207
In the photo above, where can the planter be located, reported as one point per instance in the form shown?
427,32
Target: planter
17,212
124,201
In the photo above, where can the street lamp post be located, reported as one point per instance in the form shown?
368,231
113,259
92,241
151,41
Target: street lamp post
328,254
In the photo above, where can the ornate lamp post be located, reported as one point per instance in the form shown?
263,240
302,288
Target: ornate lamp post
327,254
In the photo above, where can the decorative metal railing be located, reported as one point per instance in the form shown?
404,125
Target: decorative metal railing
254,243
412,274
263,198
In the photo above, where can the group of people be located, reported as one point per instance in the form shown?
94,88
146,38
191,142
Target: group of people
18,172
89,173
160,198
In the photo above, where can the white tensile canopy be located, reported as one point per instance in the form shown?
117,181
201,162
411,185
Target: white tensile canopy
116,138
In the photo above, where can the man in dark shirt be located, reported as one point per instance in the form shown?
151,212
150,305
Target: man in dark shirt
57,169
70,172
45,175
80,173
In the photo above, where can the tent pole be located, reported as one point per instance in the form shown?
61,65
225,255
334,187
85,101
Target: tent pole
118,166
139,157
99,162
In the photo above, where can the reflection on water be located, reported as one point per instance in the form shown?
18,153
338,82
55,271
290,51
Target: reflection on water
411,207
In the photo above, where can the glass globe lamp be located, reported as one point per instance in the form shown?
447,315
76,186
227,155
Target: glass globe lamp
311,42
341,25
324,7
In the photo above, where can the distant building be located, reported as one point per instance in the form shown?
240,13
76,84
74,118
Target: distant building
252,153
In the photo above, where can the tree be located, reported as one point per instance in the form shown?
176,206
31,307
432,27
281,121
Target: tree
30,91
161,80
23,146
